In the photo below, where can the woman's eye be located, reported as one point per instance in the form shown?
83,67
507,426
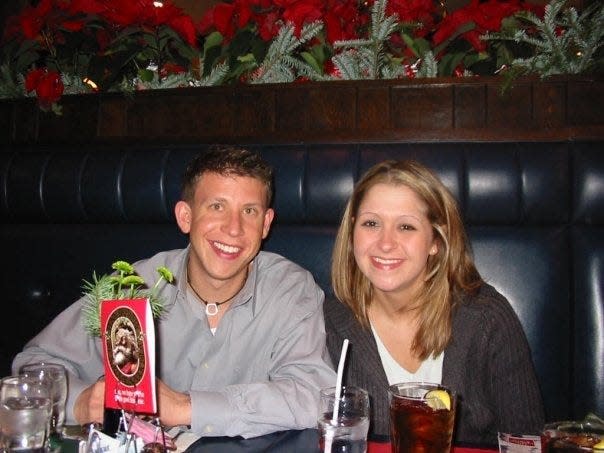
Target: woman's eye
407,227
369,223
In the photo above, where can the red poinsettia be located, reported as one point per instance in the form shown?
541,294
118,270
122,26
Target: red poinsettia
150,15
486,16
220,17
300,12
421,12
47,84
48,15
343,20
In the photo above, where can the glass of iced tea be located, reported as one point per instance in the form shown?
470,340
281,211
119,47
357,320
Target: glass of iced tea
421,417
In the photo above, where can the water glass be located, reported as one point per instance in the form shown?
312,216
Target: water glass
422,416
56,376
346,430
25,408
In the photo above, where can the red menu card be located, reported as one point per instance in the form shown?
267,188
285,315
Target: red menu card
128,338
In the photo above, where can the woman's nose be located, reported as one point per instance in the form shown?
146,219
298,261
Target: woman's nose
386,240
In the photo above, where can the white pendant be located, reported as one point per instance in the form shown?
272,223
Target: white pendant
211,309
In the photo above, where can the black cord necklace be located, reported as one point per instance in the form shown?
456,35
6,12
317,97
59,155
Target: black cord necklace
211,307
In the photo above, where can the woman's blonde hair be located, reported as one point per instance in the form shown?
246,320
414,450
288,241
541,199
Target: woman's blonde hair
449,273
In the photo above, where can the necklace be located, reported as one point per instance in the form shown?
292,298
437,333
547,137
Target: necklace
211,307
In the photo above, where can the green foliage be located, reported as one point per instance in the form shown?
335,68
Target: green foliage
124,284
9,86
367,58
280,64
242,55
138,57
564,42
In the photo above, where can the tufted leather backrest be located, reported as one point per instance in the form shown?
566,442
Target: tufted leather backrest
534,213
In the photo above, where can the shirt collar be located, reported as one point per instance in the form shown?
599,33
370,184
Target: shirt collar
244,296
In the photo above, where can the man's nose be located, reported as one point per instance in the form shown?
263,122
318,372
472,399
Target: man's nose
234,225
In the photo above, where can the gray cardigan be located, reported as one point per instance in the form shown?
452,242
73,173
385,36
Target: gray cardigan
487,363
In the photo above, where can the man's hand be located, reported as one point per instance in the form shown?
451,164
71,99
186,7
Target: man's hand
174,407
90,404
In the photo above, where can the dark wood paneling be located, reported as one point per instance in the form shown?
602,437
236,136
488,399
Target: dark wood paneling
422,107
446,109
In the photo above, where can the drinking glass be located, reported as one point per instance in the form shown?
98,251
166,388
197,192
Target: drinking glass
56,376
25,408
573,436
421,417
347,433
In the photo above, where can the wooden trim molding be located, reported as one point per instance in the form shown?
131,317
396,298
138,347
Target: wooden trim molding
473,109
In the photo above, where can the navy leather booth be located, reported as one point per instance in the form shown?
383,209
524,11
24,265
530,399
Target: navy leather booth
534,212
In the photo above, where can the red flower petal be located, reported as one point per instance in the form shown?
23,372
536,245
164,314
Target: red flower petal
33,79
50,88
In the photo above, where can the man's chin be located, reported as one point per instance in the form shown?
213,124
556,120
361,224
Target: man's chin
119,359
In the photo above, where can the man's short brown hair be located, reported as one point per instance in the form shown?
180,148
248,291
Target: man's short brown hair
227,161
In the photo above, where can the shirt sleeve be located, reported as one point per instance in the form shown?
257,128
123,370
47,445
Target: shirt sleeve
288,399
64,341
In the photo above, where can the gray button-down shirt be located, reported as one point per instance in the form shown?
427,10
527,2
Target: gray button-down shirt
261,371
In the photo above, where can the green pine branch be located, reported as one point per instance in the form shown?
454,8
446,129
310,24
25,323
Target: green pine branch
564,42
280,65
367,58
124,284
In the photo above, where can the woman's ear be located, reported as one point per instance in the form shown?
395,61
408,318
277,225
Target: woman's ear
182,212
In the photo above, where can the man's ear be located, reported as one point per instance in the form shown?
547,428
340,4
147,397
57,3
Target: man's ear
269,215
182,212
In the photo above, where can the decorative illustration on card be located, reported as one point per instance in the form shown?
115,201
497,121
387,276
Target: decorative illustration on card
129,355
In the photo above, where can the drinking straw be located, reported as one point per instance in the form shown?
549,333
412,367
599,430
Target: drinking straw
338,393
336,406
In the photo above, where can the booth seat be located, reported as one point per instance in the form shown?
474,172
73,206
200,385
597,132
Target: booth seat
534,213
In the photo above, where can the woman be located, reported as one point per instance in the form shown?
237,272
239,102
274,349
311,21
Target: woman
415,308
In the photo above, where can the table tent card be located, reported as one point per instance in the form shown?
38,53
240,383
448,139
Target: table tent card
128,338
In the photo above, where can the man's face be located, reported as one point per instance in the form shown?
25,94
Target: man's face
226,222
125,347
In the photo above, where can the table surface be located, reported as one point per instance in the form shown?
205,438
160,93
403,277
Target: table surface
304,441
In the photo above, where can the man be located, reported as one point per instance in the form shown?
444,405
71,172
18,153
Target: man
125,351
241,347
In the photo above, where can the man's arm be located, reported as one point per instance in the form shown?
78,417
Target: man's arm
174,407
64,341
90,404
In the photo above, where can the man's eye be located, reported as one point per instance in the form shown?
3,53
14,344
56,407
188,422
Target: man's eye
216,206
249,210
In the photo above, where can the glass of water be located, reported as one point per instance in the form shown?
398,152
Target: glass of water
343,421
55,376
25,408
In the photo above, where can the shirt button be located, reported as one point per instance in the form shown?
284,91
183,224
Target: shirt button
208,428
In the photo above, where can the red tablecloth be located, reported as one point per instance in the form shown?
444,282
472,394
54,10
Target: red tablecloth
376,447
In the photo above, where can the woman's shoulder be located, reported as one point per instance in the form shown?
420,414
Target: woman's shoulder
334,308
486,306
337,313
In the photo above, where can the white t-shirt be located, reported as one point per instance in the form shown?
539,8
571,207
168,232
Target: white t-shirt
431,369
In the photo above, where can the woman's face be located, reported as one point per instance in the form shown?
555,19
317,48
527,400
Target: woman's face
393,239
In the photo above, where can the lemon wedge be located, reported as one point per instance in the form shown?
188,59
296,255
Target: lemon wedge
438,399
599,446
